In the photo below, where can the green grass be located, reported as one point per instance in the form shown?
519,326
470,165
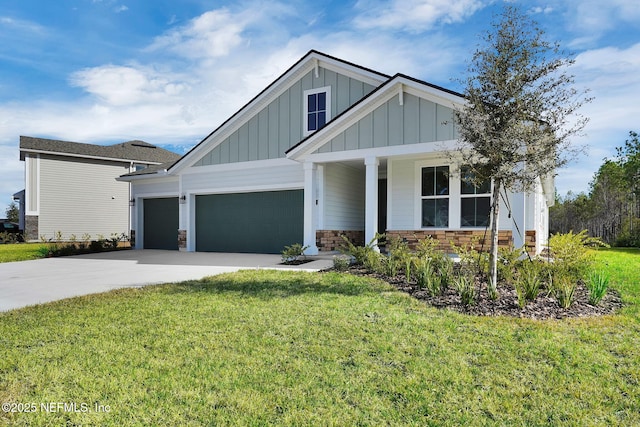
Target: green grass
292,348
20,252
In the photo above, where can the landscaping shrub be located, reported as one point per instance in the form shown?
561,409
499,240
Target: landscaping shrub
465,287
597,284
570,252
358,253
527,281
341,263
292,254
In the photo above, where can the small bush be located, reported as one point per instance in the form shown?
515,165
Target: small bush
465,287
358,253
508,262
399,256
426,276
570,252
563,287
341,263
293,253
597,284
527,282
471,261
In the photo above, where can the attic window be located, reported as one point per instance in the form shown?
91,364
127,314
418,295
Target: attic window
317,109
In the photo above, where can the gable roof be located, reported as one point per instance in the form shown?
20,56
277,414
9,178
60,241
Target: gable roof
139,151
394,85
312,59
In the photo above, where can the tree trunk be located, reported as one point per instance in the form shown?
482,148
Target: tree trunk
493,256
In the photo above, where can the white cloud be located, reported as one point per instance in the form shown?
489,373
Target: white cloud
593,18
127,85
212,34
413,15
611,75
121,8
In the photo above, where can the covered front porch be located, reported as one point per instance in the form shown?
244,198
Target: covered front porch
359,198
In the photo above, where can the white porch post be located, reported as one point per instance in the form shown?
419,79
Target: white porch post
518,216
310,212
371,199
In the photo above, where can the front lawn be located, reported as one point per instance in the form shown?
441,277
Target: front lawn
292,348
21,251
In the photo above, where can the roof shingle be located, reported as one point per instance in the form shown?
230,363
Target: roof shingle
131,150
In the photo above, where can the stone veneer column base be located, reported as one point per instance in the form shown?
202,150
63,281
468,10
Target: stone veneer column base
331,240
182,240
464,237
31,230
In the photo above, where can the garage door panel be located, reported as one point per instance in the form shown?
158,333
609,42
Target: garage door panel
161,223
262,222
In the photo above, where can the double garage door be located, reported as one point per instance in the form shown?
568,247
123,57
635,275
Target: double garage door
263,222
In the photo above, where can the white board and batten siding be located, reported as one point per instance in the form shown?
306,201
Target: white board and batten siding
78,207
344,189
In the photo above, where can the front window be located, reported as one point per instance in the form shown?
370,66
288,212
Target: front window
475,201
435,196
317,109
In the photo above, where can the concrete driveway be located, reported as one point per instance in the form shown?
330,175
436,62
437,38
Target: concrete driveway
33,282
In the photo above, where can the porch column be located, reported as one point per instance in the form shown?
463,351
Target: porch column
518,217
183,216
371,199
310,212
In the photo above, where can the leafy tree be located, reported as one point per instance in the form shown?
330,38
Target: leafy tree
520,114
611,210
12,213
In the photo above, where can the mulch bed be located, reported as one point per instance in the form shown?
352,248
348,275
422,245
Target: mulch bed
543,307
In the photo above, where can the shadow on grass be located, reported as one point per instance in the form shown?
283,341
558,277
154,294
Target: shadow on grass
281,284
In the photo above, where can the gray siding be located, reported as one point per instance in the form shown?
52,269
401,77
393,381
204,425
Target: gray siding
78,197
416,121
278,126
344,200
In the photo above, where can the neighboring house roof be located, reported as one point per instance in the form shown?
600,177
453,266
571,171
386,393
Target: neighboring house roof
137,151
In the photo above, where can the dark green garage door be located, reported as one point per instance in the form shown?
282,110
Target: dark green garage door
262,222
161,223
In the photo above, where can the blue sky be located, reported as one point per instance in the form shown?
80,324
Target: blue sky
169,72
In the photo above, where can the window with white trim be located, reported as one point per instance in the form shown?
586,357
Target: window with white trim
435,196
475,201
317,109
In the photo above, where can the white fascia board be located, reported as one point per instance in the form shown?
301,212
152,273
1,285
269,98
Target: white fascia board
432,94
369,77
84,156
160,176
395,151
271,93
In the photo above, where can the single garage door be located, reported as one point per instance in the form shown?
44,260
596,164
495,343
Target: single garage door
161,223
263,222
